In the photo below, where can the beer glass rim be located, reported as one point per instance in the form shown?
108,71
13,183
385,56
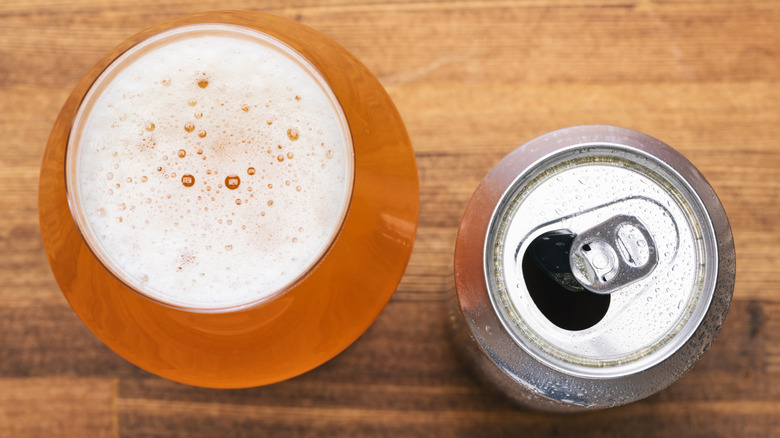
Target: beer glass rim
126,58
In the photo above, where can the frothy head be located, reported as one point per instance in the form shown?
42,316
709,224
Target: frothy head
210,167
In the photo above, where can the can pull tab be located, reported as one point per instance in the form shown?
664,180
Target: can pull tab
613,254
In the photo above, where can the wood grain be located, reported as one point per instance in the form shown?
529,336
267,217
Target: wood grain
472,80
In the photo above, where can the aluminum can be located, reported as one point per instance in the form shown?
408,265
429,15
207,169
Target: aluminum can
594,265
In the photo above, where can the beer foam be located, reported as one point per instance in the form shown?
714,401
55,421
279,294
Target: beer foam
213,167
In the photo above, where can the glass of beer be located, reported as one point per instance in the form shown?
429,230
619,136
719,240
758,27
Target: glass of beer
228,199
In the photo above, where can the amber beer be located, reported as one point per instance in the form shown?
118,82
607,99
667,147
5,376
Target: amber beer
219,155
228,199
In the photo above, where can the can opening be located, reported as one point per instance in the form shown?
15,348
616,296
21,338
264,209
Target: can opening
567,309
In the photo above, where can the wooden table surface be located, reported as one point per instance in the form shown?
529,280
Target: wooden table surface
472,80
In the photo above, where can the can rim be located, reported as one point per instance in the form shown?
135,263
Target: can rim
552,356
519,375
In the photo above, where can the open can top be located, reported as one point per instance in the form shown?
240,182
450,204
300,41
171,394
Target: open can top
594,265
639,233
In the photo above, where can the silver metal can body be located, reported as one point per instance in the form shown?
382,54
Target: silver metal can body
594,265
